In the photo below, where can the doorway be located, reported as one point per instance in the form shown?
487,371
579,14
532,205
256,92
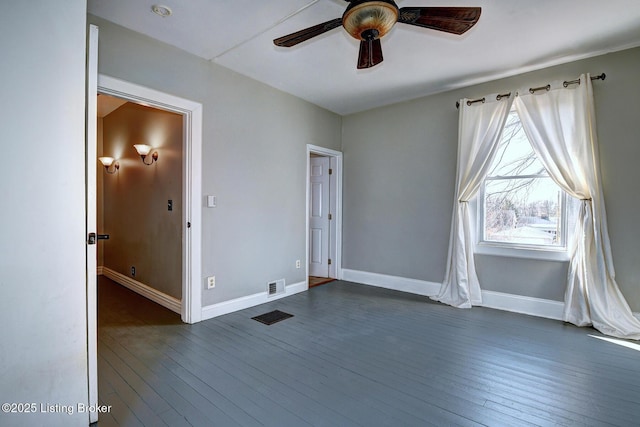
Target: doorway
324,215
139,200
191,307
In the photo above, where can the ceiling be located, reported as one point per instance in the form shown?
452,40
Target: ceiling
511,37
107,104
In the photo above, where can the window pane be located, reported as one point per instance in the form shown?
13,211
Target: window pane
515,155
523,211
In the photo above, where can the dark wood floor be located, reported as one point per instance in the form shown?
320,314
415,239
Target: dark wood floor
355,355
317,281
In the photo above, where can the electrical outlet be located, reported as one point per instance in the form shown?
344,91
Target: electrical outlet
297,263
211,282
133,271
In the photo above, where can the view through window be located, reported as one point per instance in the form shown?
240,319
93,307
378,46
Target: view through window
522,206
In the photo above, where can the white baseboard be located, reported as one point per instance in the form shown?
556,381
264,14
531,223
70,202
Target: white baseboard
496,300
522,304
226,307
140,288
413,286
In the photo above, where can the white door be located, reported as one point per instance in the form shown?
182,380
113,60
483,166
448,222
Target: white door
92,201
319,211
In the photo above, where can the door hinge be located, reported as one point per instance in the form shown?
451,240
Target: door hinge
329,261
330,171
189,224
330,217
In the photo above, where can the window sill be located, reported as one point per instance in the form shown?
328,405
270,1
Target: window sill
560,255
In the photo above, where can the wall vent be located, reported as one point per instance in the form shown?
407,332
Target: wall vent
275,288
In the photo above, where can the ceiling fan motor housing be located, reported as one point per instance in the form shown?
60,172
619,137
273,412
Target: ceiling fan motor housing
370,19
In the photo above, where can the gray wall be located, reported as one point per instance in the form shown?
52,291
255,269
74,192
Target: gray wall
400,164
43,356
254,159
143,232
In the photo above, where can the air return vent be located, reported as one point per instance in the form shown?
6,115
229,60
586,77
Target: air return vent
276,287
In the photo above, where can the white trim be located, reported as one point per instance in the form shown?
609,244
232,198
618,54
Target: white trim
248,301
413,286
146,291
490,299
100,270
336,246
192,215
484,248
192,212
522,304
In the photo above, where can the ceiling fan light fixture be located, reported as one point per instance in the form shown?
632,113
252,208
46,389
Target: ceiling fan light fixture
361,17
369,20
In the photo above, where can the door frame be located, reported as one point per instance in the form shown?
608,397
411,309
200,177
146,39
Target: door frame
335,226
191,304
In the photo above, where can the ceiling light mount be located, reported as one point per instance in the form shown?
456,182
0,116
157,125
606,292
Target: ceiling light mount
161,10
364,16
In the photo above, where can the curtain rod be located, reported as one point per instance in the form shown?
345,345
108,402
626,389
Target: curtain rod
533,90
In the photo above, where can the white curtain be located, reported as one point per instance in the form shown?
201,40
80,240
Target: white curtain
479,130
560,123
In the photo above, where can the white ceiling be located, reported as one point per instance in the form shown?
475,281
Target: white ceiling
511,37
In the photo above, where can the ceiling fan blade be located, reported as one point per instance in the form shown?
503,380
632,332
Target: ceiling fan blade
303,35
370,53
455,20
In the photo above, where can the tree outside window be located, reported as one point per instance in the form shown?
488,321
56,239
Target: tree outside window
521,205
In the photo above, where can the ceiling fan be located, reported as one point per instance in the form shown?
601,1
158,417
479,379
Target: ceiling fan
369,20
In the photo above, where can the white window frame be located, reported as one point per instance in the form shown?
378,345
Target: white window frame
521,250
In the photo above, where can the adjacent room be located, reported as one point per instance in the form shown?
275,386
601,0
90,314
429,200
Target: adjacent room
336,213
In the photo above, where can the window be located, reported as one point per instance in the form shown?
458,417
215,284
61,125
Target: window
520,205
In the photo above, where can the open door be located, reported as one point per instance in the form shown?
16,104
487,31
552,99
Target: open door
191,310
91,209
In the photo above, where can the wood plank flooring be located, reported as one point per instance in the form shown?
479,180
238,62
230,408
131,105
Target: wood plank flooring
317,281
356,355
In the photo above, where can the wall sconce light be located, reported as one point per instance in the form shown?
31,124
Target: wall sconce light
110,164
143,150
